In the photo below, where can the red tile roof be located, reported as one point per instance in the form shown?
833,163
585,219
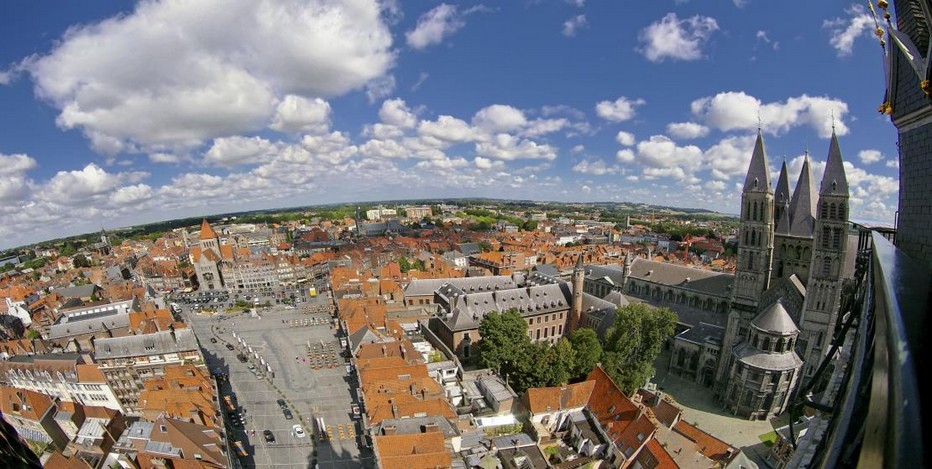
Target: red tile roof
708,445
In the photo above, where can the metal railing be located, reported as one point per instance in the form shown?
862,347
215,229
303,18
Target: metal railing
875,420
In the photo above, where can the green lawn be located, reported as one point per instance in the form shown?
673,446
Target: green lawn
768,438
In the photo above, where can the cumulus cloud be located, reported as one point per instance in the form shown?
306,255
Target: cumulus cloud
232,151
76,187
619,110
395,112
298,114
625,138
892,163
870,156
625,155
662,157
499,118
844,31
15,164
736,110
510,147
432,27
574,24
596,168
173,74
730,157
687,130
486,164
676,39
164,158
131,195
447,128
380,88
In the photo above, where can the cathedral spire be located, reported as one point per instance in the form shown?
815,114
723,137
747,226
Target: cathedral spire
803,204
782,194
758,178
834,181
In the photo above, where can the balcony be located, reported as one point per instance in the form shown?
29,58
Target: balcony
870,411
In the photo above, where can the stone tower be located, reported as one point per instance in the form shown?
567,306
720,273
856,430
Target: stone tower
823,289
755,250
578,282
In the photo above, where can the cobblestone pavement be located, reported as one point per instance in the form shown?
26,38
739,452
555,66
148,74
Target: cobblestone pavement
701,409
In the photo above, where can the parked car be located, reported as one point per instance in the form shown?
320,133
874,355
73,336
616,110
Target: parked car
282,404
213,340
269,437
287,413
298,431
230,347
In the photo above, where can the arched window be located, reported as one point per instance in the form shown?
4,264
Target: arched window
781,344
823,210
799,252
746,236
756,340
836,238
831,212
766,345
789,344
842,211
753,237
750,260
754,217
826,266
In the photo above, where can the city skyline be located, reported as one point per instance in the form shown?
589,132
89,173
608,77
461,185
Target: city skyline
117,119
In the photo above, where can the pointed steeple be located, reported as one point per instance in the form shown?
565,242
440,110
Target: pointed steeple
206,231
834,181
782,195
783,222
803,205
579,262
758,178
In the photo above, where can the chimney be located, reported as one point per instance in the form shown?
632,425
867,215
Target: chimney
388,430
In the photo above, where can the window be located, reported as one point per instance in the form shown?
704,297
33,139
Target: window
836,238
553,330
831,212
826,266
538,335
545,332
560,329
826,234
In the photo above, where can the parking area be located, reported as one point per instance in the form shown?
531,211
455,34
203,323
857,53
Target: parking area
296,357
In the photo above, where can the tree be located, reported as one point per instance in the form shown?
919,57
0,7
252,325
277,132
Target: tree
33,334
588,351
633,343
529,225
81,261
504,342
404,264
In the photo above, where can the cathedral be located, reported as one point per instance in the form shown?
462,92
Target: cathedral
787,285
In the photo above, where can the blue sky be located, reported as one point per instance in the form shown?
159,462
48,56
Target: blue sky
116,113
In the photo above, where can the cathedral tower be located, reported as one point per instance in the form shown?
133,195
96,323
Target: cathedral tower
823,289
579,278
755,250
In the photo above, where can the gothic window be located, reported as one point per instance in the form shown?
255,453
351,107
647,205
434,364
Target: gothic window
755,212
766,345
747,210
780,269
754,237
831,212
806,253
799,252
756,341
750,260
836,238
781,344
826,235
826,266
745,237
842,211
823,210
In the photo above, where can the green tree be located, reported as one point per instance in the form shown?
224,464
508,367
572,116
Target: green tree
33,334
588,351
633,343
529,225
504,342
404,264
67,250
81,261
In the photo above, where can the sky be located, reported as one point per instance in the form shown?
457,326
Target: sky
117,113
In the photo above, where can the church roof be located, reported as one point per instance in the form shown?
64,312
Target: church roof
206,231
755,357
758,178
784,223
775,319
802,206
782,195
834,181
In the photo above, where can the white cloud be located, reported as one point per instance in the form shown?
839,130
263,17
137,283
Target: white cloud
736,110
76,187
687,130
499,118
232,151
299,114
621,109
380,88
544,126
845,30
892,163
434,25
509,147
662,157
574,24
395,112
164,158
676,39
716,186
447,128
486,164
578,149
421,78
730,157
173,74
625,138
762,36
870,156
16,164
596,168
625,155
131,195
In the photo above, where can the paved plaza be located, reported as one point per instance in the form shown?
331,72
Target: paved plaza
302,350
701,409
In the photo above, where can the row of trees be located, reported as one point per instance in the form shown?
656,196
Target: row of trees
627,353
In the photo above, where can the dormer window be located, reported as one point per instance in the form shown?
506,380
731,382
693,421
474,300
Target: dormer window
755,183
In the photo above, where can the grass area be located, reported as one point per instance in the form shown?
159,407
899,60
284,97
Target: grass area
768,439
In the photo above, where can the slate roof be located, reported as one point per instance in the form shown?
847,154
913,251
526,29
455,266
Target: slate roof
834,173
80,291
803,205
612,274
703,334
468,310
157,343
775,319
701,281
754,357
421,287
781,195
758,178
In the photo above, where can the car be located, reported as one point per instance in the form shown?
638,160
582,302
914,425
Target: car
269,437
240,449
298,431
287,413
242,358
282,404
230,347
213,340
